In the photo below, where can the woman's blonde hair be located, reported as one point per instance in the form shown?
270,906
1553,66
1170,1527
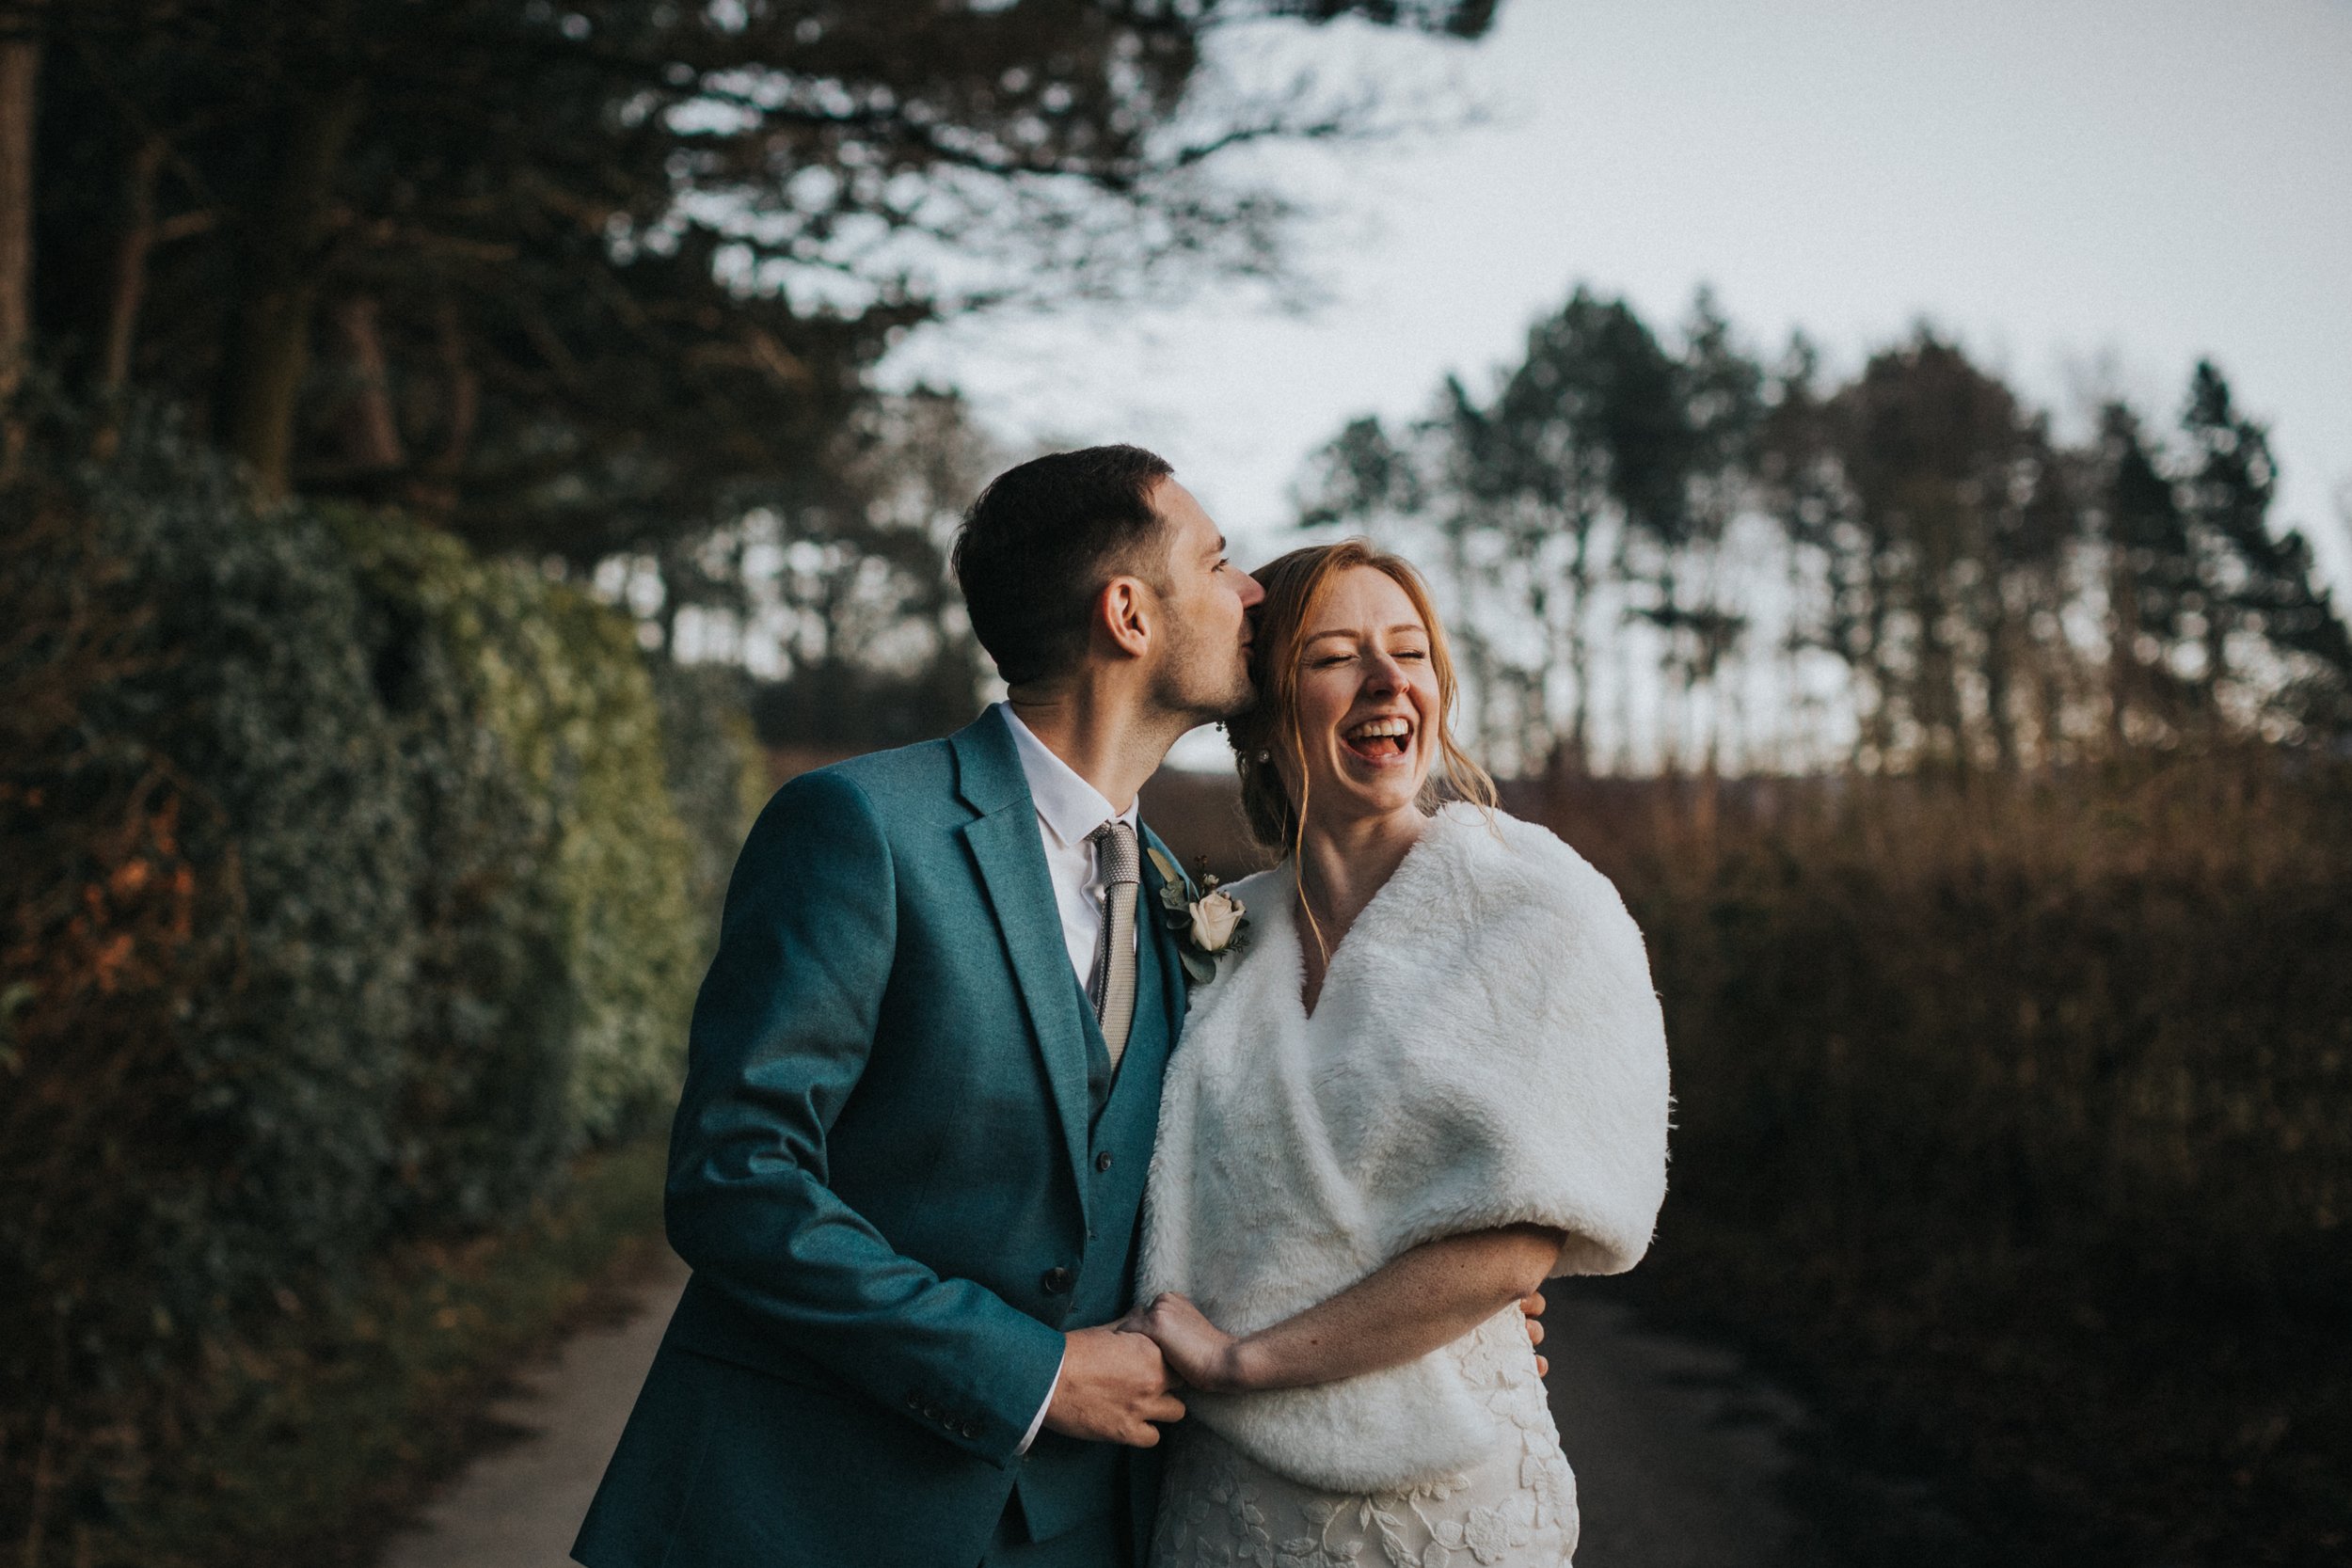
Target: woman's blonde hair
1294,584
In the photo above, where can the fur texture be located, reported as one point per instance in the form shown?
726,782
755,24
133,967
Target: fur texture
1486,1051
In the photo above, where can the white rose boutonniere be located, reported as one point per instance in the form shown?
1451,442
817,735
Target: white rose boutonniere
1208,923
1212,920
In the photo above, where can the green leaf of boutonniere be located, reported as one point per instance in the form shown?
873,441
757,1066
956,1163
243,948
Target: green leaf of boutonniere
1207,923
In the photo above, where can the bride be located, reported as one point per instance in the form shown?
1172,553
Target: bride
1432,1076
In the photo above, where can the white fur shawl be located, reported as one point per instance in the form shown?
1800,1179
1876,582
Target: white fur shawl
1486,1051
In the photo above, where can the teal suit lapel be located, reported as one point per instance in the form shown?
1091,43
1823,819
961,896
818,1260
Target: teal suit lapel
1176,983
1012,862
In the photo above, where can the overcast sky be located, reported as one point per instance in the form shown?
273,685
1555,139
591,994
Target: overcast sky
2086,192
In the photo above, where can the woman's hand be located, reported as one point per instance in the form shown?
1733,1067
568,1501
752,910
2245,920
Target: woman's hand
1201,1355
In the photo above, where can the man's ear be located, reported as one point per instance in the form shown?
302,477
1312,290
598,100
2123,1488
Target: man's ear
1123,612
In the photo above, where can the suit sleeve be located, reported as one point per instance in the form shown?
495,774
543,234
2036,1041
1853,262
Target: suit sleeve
783,1029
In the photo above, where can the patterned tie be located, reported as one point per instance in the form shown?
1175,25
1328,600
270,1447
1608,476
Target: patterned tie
1112,989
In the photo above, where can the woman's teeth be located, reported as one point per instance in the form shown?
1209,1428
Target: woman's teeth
1380,737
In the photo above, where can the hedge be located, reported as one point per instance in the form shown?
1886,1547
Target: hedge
559,705
347,894
2016,1126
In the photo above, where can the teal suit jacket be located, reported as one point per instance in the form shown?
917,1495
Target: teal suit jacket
900,1169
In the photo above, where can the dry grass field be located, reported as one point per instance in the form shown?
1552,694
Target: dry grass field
2014,1128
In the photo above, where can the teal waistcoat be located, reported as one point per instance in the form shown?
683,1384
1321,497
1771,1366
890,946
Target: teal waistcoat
1063,1482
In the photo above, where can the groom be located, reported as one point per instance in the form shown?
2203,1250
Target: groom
922,1085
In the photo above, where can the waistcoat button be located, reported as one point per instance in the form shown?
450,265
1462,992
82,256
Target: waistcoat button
1057,1280
1102,1162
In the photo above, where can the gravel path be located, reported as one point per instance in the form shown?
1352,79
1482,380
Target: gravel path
1677,1450
519,1505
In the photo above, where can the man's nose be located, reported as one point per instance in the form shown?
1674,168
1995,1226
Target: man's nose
1252,592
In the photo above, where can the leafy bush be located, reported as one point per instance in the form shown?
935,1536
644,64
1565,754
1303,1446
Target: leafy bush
345,898
483,1118
545,763
258,694
562,682
716,775
199,1124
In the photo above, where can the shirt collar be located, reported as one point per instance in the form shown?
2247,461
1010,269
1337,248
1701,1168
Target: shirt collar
1070,807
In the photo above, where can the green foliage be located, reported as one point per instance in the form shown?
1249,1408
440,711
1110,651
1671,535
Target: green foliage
346,896
255,691
483,1114
562,701
716,776
201,1115
588,734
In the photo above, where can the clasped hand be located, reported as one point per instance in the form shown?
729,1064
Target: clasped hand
1119,1381
1203,1356
1115,1385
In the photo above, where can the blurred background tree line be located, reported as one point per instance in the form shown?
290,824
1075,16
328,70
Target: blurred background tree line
440,432
406,409
1666,552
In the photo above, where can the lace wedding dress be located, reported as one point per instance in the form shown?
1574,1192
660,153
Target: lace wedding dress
1514,1507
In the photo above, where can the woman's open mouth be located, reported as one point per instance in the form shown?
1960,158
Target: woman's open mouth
1380,741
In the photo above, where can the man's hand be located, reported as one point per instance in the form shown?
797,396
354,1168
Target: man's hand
1533,1304
1114,1384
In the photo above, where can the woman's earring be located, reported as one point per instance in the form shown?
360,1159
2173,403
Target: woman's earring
1265,756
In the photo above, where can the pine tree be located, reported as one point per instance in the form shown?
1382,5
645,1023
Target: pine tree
2155,591
2261,601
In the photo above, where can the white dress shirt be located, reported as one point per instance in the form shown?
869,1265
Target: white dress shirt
1068,810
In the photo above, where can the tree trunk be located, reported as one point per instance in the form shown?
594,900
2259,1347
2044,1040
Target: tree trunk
432,491
19,74
2002,661
371,441
132,248
128,292
268,349
2122,645
1580,745
461,394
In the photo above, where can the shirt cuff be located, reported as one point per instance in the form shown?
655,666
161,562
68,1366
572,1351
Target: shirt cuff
1038,1420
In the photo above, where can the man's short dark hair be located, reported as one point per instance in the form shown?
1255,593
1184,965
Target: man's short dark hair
1039,543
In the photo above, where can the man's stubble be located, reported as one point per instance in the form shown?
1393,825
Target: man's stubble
1202,680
